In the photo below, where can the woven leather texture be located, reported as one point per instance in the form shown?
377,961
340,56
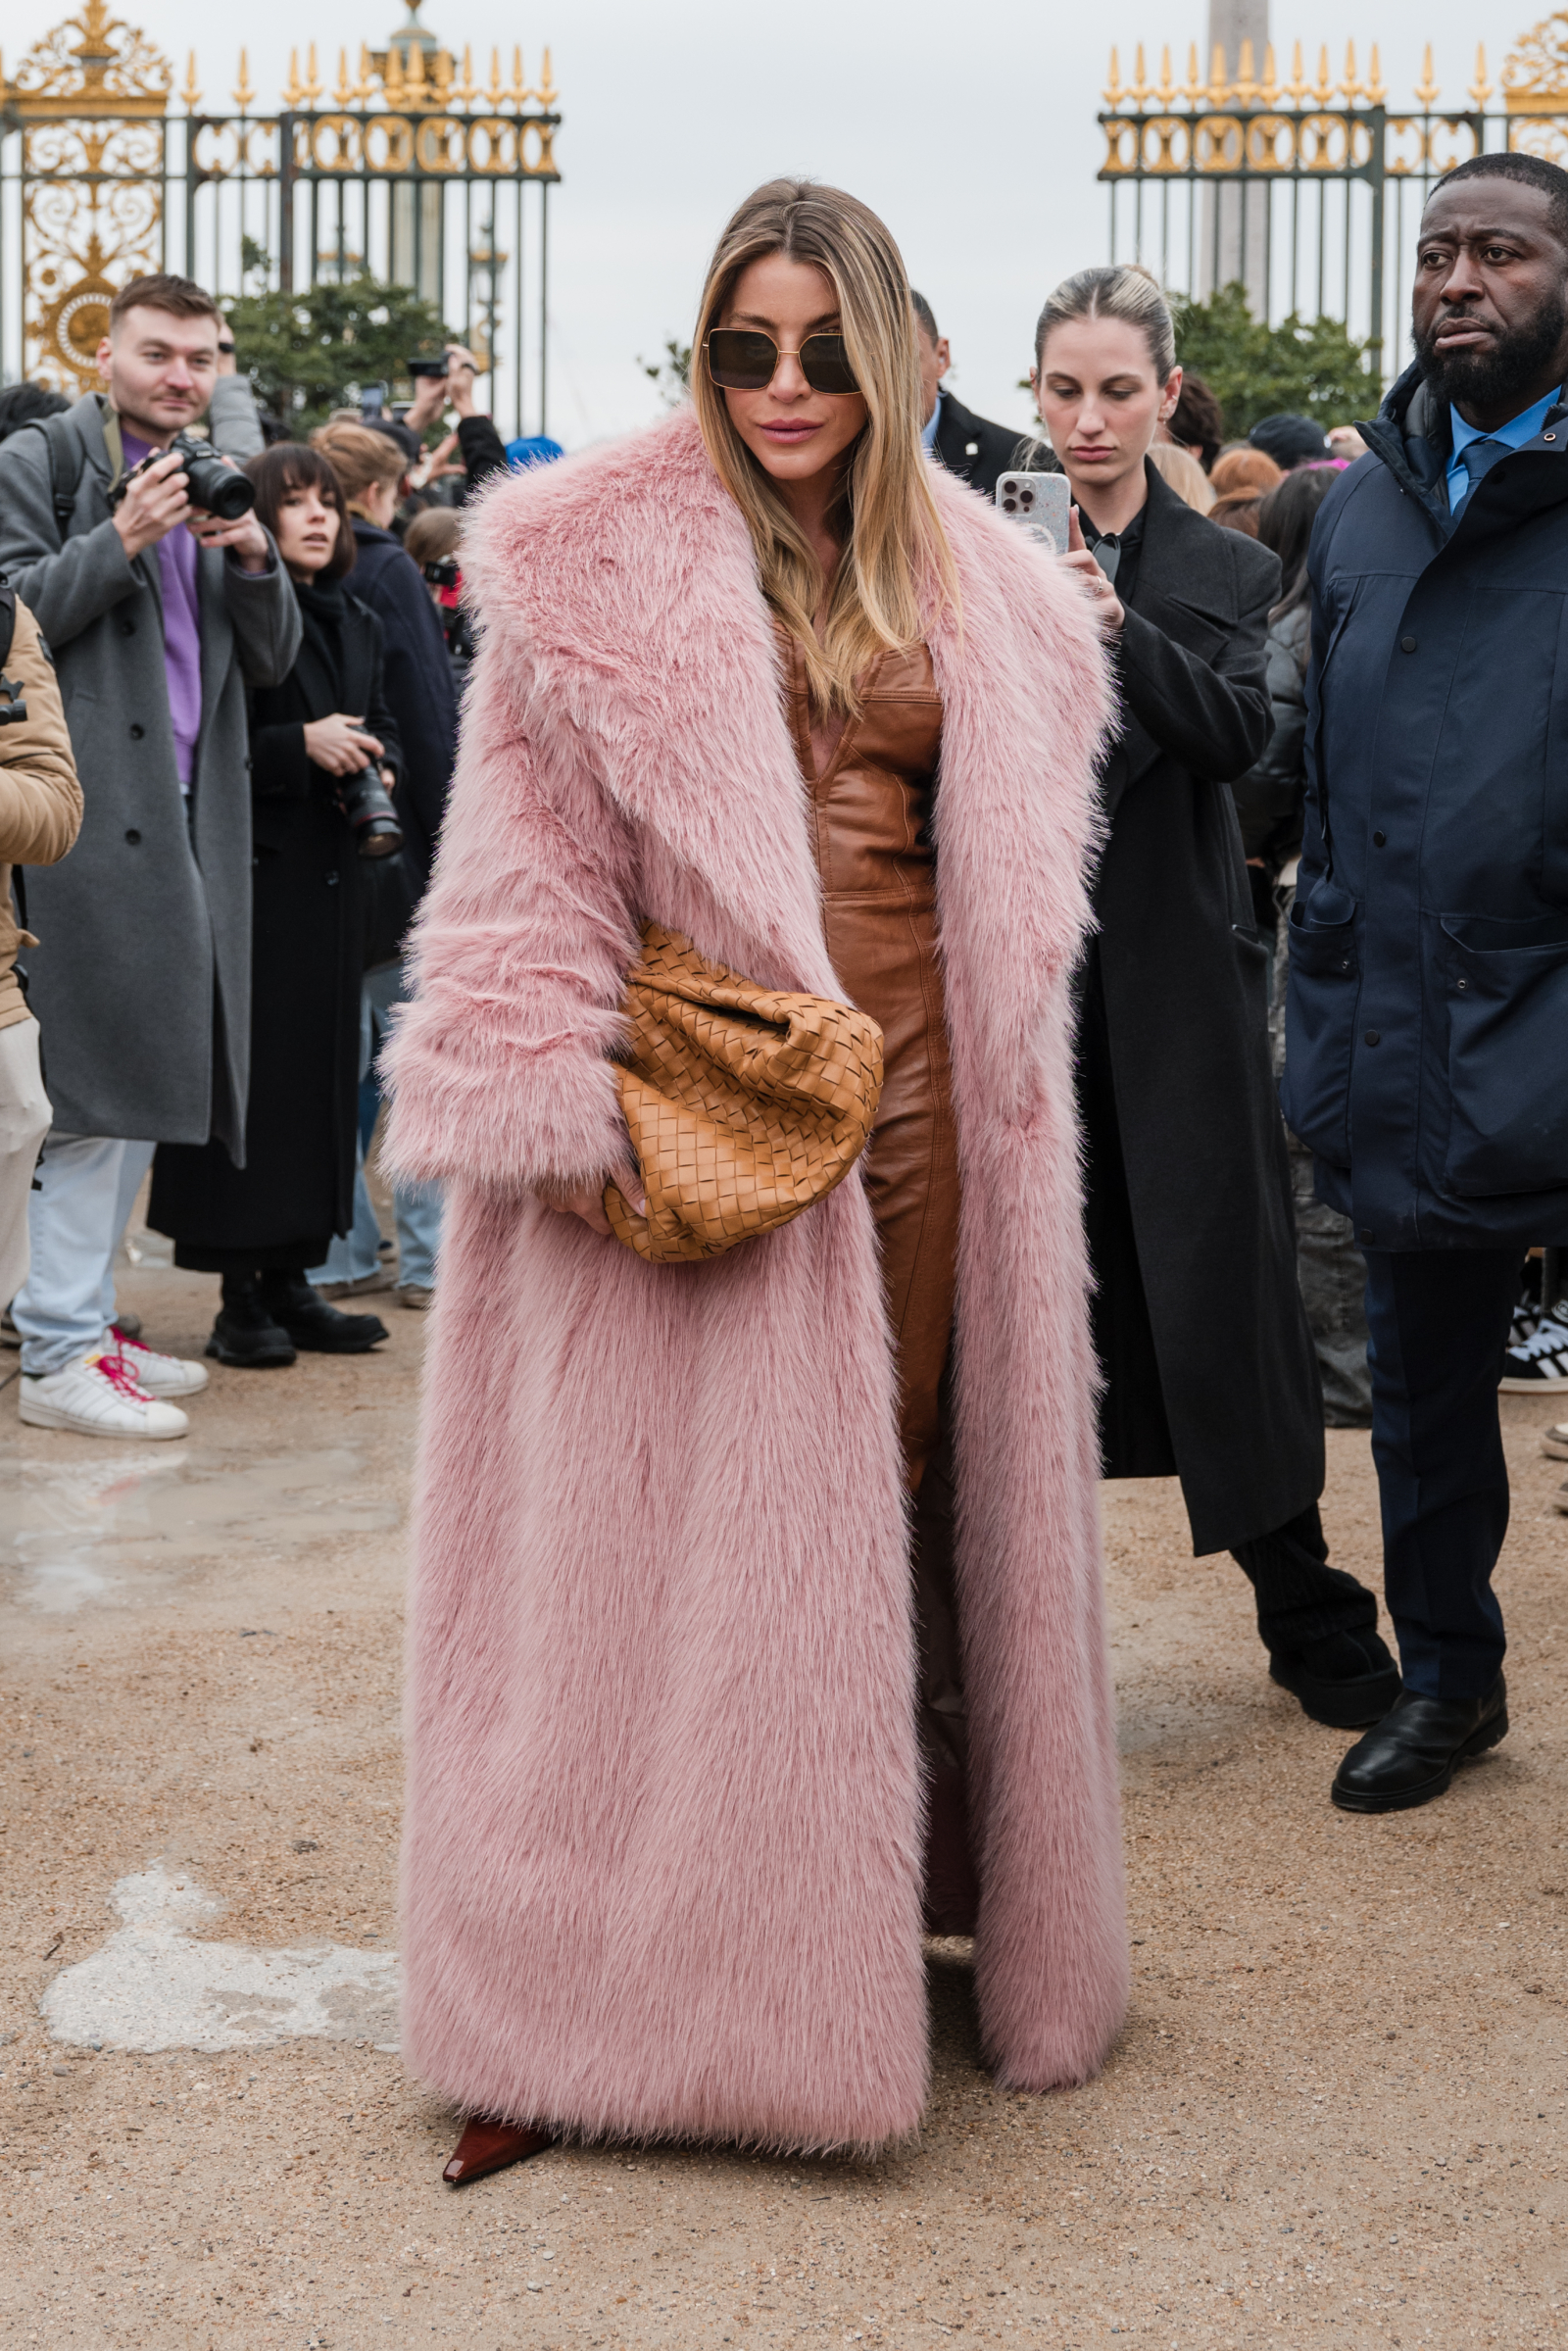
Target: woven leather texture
742,1105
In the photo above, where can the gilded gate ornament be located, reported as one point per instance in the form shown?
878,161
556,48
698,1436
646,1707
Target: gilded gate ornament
101,145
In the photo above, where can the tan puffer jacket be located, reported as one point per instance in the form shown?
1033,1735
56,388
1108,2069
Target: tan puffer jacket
40,799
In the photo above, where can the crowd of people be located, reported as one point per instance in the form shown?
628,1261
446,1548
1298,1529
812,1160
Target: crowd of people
755,1616
262,710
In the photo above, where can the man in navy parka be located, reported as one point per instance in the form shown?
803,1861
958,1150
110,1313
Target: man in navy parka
1427,1058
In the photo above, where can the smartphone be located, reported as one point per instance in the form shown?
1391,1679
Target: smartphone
418,367
373,399
1041,502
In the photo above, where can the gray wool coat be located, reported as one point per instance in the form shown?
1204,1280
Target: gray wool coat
142,979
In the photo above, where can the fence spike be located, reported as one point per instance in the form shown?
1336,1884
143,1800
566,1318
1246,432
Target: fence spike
1245,77
244,90
1481,87
465,91
1192,91
344,93
1377,89
1140,88
520,93
1165,92
190,94
547,92
1114,92
1350,87
1218,87
1426,89
1270,91
1324,91
1295,87
292,93
498,88
365,87
312,86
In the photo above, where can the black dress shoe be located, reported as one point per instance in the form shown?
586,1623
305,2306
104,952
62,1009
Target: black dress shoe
1346,1681
245,1334
1410,1757
313,1323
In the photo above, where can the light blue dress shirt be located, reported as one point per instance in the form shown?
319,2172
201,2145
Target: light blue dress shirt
928,438
1514,434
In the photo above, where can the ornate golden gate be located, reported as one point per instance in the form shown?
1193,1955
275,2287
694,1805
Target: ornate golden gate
1308,189
406,168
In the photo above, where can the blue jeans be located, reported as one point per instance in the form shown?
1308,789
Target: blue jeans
1439,1322
417,1207
88,1186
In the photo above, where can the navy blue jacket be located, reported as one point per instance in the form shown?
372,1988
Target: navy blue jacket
1427,1025
417,681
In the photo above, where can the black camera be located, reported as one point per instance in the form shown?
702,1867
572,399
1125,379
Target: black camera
367,804
208,482
443,572
430,368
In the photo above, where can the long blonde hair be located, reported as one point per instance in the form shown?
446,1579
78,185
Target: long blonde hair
894,543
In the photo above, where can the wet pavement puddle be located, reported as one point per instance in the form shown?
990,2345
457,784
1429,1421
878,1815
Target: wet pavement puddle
155,1985
78,1533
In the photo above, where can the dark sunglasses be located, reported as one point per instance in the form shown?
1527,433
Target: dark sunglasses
739,361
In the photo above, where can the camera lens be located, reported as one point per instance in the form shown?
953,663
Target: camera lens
212,484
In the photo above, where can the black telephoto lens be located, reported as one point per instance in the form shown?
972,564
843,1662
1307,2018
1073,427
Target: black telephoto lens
368,804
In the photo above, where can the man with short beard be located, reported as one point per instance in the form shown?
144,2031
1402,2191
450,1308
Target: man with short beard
1428,1011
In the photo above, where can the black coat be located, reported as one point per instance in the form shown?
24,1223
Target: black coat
417,678
1427,1002
296,1189
1188,1163
973,448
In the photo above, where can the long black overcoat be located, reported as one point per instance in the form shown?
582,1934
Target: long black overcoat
296,1187
1182,1000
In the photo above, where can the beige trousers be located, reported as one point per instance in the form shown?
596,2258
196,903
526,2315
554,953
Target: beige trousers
23,1124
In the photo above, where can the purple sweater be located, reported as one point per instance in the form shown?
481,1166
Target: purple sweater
182,627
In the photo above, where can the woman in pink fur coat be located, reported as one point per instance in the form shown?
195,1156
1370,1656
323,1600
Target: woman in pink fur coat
665,1858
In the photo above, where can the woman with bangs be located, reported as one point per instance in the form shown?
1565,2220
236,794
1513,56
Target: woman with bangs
262,1223
756,1618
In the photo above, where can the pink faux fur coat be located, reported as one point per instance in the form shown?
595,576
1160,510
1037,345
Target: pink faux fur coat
663,1852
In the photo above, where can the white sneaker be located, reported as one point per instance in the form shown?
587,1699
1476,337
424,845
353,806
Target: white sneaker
154,1374
97,1397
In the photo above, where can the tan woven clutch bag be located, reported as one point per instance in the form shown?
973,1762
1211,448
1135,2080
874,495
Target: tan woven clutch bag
742,1105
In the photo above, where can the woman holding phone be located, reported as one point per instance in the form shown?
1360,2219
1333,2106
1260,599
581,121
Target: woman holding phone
680,1676
1199,1323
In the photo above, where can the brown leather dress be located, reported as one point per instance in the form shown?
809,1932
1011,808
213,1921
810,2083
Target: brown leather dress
869,782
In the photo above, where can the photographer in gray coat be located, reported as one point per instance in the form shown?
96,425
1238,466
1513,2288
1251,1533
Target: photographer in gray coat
158,615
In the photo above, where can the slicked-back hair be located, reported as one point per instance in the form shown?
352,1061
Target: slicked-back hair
925,314
290,466
1526,171
1125,291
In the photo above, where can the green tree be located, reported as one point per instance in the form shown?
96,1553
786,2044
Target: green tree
672,373
309,353
1297,368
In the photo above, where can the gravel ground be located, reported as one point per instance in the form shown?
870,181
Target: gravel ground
1336,2116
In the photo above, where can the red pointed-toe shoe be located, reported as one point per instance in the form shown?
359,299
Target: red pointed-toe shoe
489,2146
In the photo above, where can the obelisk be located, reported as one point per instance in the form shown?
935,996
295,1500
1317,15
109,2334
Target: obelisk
1221,258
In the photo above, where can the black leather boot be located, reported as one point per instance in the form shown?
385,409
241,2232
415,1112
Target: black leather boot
1411,1755
314,1324
1344,1680
245,1334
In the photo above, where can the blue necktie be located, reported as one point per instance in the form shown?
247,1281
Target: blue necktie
1477,458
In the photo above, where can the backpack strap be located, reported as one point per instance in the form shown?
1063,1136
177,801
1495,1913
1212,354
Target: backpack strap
8,617
67,458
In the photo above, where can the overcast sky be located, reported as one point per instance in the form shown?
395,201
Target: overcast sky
970,130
